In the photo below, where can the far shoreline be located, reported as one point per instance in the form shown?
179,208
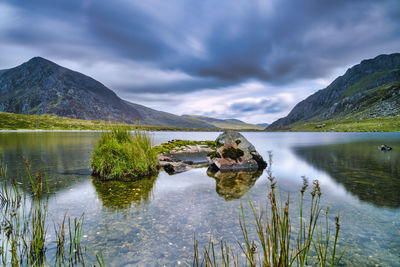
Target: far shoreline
177,130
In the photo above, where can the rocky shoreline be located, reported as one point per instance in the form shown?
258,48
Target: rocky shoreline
231,151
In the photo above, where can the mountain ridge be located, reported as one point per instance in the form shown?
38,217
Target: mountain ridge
233,124
367,90
40,86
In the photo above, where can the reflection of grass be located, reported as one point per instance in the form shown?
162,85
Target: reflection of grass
367,173
122,156
275,245
121,194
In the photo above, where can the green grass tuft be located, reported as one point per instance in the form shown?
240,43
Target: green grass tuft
124,155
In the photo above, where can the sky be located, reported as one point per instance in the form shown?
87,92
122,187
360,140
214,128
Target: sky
247,59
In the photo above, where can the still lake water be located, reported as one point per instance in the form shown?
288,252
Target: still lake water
153,222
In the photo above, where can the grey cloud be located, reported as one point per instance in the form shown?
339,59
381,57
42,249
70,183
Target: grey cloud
263,106
282,44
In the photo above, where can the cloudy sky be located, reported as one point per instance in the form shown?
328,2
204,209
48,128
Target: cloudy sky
246,59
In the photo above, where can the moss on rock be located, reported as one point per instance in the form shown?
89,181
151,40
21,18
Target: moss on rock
178,145
232,153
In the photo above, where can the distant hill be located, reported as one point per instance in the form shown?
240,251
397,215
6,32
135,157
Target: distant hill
233,124
263,124
369,90
40,86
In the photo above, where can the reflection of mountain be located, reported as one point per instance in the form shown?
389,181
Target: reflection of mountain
65,157
121,194
233,185
370,174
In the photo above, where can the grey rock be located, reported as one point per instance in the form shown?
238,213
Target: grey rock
182,160
385,148
235,152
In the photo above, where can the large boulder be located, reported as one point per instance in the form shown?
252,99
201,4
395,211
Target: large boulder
234,152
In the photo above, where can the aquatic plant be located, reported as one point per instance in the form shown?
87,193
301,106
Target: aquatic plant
275,245
122,155
23,226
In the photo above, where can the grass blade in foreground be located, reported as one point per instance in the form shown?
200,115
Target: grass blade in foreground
23,227
274,231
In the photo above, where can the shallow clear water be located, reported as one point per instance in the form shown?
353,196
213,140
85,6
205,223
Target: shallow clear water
153,222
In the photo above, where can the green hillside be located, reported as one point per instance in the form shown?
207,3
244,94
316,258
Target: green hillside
365,98
11,121
233,124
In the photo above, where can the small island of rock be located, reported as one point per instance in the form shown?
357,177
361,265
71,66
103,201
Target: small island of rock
234,152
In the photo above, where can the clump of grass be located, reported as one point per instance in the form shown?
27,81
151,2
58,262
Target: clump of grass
275,245
178,144
120,155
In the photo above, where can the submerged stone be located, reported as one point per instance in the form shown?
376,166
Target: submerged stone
235,152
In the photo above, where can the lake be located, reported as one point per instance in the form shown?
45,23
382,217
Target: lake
153,222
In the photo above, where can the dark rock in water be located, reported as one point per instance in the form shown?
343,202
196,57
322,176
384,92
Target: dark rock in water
82,172
233,185
177,167
183,160
234,152
385,148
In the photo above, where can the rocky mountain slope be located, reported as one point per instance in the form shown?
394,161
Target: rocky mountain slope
227,123
368,90
40,86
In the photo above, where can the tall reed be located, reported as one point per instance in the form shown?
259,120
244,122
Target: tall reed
274,245
23,226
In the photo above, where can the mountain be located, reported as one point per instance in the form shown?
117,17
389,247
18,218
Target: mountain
40,86
227,123
367,90
263,124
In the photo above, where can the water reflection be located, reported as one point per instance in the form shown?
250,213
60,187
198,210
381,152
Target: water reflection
233,185
366,172
119,195
159,231
64,157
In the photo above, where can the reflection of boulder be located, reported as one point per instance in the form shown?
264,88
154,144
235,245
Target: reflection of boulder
121,194
235,152
365,172
233,185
